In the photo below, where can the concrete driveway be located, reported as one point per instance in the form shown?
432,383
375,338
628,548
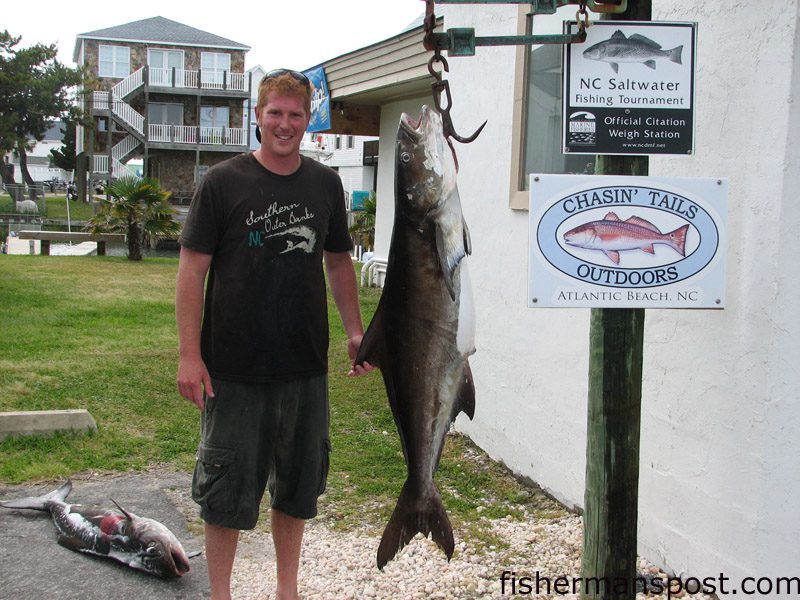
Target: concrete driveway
33,566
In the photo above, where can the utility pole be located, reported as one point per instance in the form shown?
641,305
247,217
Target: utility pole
612,447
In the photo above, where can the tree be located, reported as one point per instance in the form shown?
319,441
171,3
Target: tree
66,158
34,89
138,208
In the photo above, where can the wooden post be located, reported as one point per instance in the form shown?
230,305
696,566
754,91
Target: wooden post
612,447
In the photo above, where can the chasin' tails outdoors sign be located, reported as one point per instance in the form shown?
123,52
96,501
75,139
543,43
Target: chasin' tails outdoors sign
607,241
629,89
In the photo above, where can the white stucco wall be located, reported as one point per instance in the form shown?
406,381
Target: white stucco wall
719,484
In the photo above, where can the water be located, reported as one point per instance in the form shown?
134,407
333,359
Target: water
122,250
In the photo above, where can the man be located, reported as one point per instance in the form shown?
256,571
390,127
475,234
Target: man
259,227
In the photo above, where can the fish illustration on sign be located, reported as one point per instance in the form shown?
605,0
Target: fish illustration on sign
611,235
423,329
138,542
634,49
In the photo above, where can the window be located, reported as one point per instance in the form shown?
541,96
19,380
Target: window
160,113
161,63
537,132
200,172
213,122
351,142
542,150
213,66
337,142
115,61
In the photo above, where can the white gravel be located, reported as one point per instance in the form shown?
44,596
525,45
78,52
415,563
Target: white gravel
341,566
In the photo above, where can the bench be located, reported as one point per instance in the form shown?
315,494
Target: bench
66,236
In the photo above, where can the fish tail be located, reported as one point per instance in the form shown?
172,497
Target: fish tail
677,239
416,514
675,54
40,502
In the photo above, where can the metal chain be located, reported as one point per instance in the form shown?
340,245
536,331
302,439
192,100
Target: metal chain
583,25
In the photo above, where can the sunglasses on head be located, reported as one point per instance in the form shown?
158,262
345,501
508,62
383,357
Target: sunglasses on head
297,75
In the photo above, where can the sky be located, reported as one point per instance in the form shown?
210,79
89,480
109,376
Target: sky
294,34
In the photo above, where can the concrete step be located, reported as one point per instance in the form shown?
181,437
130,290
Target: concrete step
45,422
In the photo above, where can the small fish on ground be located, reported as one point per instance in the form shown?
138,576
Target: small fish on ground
139,542
423,329
635,49
611,235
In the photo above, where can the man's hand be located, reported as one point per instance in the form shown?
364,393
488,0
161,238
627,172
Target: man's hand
353,344
193,379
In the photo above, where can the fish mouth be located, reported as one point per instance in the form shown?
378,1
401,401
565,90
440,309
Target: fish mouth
411,126
181,564
416,127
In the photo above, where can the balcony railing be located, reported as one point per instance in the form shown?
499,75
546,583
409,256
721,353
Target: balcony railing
207,80
186,134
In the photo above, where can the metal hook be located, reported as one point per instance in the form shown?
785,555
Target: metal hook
437,88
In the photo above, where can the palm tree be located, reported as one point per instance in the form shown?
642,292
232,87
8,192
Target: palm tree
138,208
364,224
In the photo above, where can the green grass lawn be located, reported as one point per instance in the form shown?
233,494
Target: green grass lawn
56,208
99,333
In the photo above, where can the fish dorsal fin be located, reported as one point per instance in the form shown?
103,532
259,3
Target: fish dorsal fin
634,220
645,40
612,216
128,515
618,35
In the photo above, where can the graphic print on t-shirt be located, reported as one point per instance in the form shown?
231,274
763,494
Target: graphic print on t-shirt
278,230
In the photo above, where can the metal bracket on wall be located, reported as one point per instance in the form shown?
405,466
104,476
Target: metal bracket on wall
462,41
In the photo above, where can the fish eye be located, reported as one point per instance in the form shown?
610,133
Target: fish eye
405,157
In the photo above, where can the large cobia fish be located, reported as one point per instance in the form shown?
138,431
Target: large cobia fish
138,542
423,328
635,49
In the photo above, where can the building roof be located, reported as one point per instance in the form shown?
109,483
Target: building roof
158,30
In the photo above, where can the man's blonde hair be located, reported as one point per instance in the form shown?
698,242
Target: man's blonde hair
284,85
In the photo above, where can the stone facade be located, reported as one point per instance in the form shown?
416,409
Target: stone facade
175,165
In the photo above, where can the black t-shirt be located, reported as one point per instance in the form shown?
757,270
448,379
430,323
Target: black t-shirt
265,316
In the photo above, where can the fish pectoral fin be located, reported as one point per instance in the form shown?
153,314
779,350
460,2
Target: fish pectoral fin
78,543
649,249
650,63
613,255
450,254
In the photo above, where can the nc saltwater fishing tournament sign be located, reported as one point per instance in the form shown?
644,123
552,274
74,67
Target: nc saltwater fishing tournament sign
607,241
320,100
629,88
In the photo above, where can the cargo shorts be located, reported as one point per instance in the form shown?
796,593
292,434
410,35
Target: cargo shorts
259,435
